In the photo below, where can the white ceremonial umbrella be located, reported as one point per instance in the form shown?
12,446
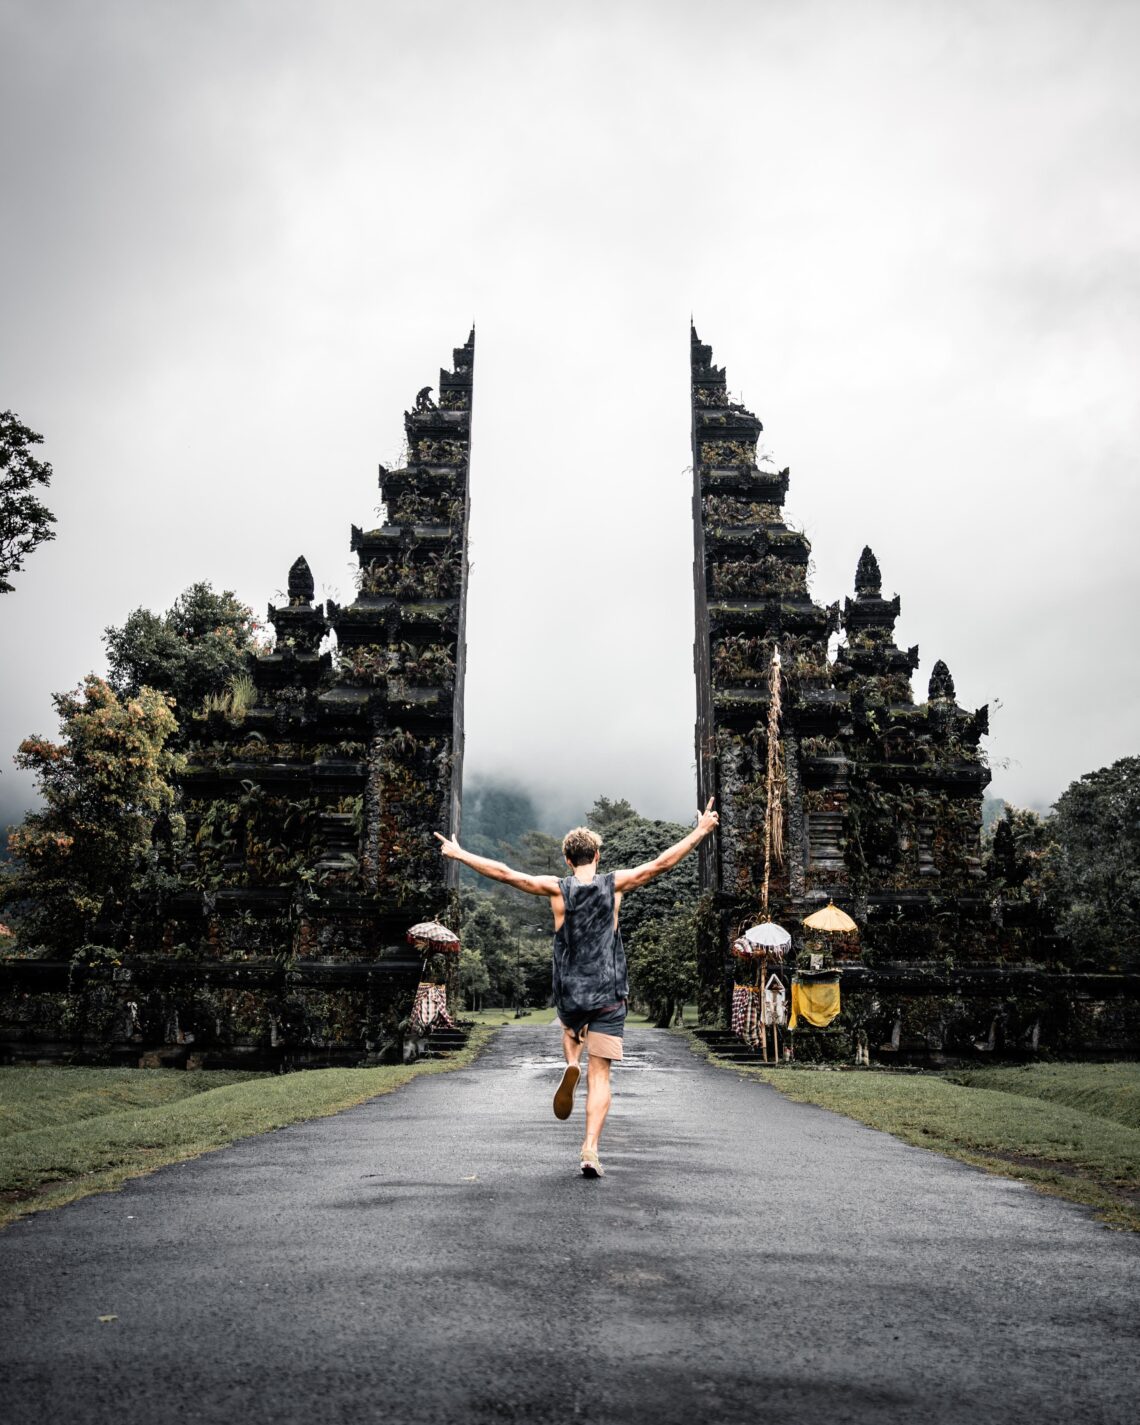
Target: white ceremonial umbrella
770,935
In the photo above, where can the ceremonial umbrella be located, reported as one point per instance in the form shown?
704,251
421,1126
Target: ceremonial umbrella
771,936
830,918
434,936
767,940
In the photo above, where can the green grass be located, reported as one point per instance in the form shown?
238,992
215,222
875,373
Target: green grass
506,1016
65,1133
528,1016
1107,1090
1068,1129
44,1098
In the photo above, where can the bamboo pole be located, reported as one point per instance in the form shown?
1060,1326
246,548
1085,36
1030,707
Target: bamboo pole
773,823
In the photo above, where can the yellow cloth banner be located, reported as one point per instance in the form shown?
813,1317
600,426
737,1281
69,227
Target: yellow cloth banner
817,1003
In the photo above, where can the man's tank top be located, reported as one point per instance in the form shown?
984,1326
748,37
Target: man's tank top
589,958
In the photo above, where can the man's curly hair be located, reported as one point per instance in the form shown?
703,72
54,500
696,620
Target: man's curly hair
581,845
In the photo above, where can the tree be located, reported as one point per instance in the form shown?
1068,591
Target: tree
634,840
516,953
541,854
102,784
535,967
486,931
1096,821
1022,855
25,521
474,981
195,650
663,967
534,851
992,809
605,814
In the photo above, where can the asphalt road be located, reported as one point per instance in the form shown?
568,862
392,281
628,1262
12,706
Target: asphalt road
434,1256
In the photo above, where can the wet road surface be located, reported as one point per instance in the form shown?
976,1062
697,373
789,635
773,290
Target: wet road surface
434,1256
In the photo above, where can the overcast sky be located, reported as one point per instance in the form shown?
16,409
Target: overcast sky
238,237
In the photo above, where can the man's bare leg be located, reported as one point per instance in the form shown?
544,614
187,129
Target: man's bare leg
564,1094
597,1100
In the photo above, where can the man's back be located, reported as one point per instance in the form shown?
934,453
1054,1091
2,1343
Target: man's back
589,958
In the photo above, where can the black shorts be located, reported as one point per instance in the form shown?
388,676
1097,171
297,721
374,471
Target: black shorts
601,1030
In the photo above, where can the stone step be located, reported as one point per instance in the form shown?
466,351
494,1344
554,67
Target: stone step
727,1046
442,1043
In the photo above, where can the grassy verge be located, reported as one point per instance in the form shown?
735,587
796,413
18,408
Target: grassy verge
46,1098
65,1133
1106,1090
1068,1129
528,1016
506,1016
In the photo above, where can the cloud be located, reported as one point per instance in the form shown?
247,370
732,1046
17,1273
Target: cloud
244,235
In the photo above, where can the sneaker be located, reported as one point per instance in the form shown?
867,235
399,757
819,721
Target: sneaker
564,1093
590,1166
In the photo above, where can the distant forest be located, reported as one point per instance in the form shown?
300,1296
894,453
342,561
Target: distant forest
507,934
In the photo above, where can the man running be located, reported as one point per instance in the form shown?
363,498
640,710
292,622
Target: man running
590,982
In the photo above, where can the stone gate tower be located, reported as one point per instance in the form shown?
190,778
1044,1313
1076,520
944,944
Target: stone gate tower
276,933
881,797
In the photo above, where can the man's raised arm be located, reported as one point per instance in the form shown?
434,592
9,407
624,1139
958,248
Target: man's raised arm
706,824
498,870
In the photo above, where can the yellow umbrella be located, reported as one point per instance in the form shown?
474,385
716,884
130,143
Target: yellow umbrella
830,918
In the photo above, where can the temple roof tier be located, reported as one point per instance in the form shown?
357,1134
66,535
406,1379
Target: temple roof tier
382,620
389,538
920,901
741,538
288,666
825,771
299,626
775,616
727,423
870,611
876,659
703,372
962,776
762,487
199,781
462,363
445,481
431,419
709,385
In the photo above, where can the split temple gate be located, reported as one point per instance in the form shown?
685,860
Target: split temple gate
276,932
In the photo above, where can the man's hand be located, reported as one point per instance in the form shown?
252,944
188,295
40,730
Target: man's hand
448,846
708,820
707,823
497,870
